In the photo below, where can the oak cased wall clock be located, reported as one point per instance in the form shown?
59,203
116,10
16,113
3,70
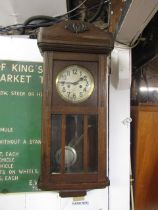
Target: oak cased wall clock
73,158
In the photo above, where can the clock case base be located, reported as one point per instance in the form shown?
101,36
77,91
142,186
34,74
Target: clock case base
66,190
65,194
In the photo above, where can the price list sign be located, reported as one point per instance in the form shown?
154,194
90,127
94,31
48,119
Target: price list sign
20,125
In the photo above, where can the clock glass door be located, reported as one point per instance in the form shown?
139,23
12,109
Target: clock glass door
74,143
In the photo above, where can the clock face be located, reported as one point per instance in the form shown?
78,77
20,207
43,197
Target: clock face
74,84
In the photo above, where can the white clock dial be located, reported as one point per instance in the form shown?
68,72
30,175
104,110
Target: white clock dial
75,84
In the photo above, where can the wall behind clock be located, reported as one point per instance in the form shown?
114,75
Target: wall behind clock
119,128
116,197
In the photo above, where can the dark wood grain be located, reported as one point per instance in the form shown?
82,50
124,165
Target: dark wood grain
62,48
57,38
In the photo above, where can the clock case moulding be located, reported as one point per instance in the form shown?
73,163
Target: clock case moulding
74,43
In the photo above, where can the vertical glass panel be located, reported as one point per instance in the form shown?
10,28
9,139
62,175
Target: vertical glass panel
56,143
74,144
80,144
92,143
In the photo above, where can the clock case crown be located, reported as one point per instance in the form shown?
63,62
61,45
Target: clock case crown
64,44
61,38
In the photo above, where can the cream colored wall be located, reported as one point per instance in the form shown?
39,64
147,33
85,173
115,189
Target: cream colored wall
119,129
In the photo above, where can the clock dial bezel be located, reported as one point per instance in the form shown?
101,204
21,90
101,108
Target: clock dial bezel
90,78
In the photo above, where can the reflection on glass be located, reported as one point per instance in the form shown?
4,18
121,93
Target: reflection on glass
144,89
56,142
93,143
74,141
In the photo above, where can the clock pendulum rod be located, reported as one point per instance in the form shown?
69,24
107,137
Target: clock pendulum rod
76,139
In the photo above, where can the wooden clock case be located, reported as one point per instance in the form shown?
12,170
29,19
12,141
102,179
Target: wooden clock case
74,43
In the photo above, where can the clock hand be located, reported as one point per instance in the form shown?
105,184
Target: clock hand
63,82
75,83
72,83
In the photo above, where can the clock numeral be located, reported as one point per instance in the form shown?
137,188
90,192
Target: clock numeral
74,96
74,71
68,73
85,89
68,94
81,94
63,76
85,78
87,84
80,73
63,89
